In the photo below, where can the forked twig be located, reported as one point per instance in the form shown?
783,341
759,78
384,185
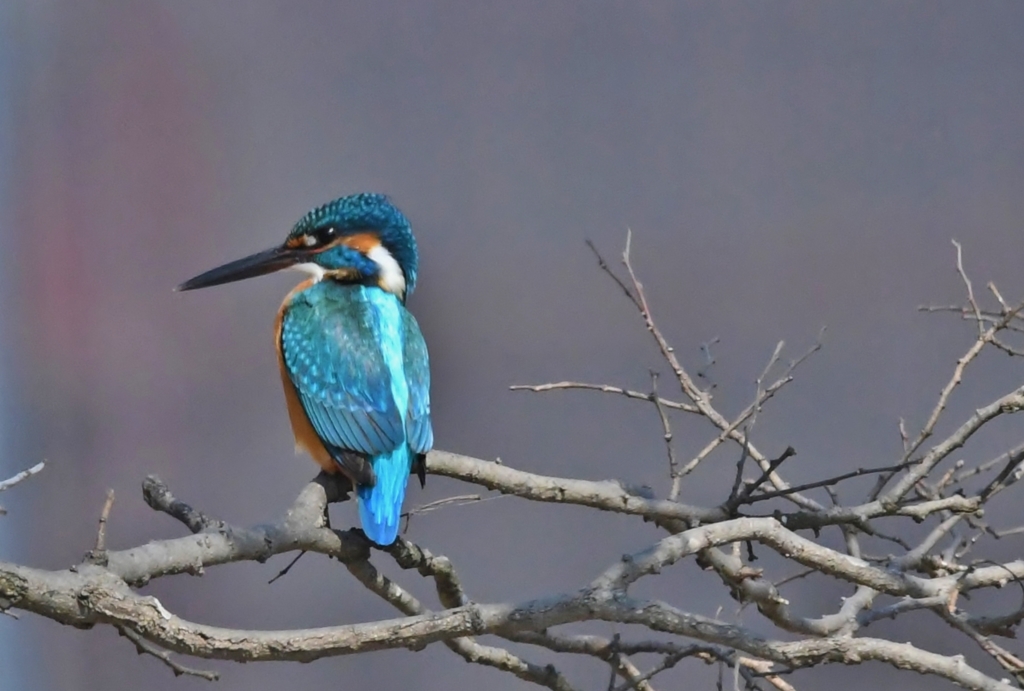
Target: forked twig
985,337
697,396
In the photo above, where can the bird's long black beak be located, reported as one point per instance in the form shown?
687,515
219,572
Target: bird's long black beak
254,265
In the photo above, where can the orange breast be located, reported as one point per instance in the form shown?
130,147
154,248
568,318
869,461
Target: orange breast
305,436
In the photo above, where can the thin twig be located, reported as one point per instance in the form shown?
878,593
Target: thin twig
603,388
759,382
987,465
22,476
284,572
101,533
1011,473
98,555
458,500
603,265
999,296
666,428
795,577
828,482
737,481
669,662
709,359
789,452
969,286
1007,660
761,397
1008,532
144,647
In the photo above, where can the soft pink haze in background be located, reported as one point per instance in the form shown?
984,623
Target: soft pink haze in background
782,166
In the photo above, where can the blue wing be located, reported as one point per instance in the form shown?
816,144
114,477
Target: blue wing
419,431
331,349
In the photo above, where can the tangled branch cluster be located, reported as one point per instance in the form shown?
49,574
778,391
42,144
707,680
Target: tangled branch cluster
924,485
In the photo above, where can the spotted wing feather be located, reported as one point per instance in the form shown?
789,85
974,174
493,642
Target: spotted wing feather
334,360
419,430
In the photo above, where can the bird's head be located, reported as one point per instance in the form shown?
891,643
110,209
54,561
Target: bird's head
361,238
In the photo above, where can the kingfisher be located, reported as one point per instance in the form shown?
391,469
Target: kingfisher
353,362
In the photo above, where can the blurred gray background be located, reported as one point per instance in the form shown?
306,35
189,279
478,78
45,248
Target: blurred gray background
782,166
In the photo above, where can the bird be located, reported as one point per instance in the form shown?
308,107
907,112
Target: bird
353,362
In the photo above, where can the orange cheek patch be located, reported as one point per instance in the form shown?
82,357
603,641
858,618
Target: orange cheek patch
362,242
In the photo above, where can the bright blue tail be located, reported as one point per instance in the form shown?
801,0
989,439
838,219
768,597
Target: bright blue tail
380,506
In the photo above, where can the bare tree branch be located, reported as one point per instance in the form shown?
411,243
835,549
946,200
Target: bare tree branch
884,569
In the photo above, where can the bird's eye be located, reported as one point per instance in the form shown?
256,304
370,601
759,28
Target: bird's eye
325,234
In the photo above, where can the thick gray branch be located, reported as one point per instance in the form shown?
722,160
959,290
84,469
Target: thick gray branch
93,596
302,528
610,495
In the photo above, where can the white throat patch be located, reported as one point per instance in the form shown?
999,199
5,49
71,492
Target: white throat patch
314,270
391,277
